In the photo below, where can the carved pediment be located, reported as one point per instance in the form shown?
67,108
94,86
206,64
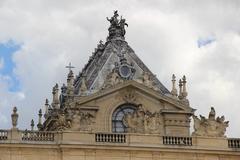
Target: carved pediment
128,88
128,95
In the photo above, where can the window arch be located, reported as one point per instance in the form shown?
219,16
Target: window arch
117,117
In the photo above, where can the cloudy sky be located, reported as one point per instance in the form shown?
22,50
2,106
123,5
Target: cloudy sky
199,39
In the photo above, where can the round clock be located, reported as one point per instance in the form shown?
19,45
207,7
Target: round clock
125,71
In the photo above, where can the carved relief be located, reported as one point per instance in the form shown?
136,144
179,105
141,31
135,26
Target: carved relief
214,127
86,121
75,123
148,80
62,123
142,121
82,121
74,120
129,96
112,79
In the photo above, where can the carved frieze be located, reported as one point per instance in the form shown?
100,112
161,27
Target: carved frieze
61,123
74,120
82,120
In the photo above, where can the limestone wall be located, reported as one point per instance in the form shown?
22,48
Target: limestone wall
79,152
21,145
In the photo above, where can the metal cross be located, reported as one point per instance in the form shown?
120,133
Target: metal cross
70,66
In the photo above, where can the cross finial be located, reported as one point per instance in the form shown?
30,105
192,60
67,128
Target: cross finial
70,66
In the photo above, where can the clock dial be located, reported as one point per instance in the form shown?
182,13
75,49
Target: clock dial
125,71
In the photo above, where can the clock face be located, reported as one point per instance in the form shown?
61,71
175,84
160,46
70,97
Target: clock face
125,71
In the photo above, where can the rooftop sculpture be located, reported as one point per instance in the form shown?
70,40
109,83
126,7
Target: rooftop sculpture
117,27
211,126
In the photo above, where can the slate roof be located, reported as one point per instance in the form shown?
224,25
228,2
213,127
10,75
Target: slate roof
101,63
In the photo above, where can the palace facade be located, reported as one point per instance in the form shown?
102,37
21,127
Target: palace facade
116,109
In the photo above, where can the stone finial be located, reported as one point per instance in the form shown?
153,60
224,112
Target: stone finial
184,91
70,81
180,96
55,101
39,125
83,86
174,90
14,118
32,125
70,78
47,108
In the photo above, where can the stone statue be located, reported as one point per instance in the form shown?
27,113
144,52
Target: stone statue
142,121
212,114
117,27
114,20
61,123
212,127
14,117
122,24
112,79
75,123
86,120
147,79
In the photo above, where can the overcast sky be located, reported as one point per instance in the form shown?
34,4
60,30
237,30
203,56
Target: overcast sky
199,39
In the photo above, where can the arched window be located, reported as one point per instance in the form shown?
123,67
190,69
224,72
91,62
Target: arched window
117,117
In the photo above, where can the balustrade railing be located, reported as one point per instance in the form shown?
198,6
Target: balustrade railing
170,140
37,136
112,138
3,135
234,142
42,136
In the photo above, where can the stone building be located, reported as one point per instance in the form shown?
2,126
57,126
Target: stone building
116,109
